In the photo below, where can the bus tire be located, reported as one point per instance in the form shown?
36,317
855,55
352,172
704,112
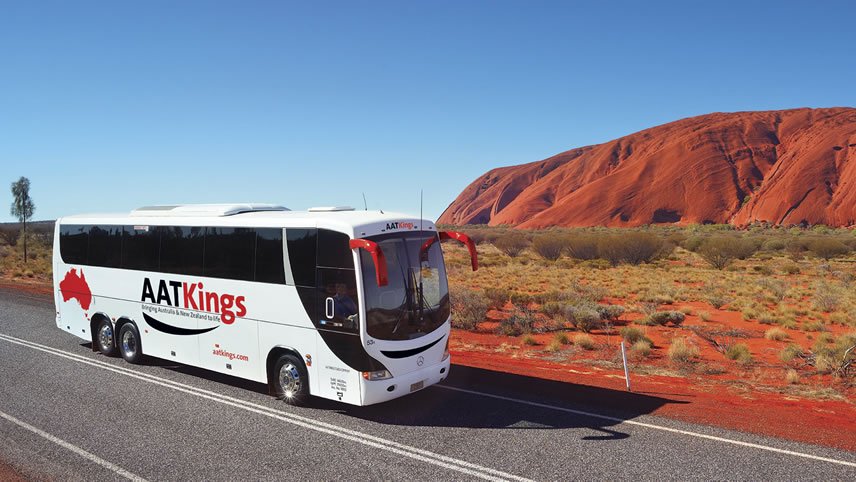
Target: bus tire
105,338
291,381
129,343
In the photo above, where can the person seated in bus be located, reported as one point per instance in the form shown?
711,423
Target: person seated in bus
345,306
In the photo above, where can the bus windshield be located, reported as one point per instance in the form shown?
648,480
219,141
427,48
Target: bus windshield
415,302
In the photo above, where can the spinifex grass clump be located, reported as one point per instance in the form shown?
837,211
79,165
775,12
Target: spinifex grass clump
682,351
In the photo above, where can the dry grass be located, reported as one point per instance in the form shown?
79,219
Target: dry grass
584,341
776,334
682,351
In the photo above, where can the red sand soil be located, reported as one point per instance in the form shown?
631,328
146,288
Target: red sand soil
784,167
716,391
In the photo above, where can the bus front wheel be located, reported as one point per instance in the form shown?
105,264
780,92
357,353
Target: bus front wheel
129,343
290,380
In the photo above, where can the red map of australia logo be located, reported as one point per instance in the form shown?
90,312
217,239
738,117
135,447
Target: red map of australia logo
75,287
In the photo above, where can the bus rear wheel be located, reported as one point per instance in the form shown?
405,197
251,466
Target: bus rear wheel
105,338
291,381
129,343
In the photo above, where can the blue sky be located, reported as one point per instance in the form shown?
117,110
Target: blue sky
106,106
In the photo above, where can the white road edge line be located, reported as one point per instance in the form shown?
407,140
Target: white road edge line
653,426
79,451
309,423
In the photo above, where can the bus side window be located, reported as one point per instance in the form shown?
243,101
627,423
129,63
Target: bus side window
140,248
230,253
105,246
302,244
181,249
74,243
269,267
337,303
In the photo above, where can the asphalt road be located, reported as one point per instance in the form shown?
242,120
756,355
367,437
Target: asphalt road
68,413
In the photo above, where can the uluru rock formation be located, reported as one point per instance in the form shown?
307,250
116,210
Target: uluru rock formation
783,167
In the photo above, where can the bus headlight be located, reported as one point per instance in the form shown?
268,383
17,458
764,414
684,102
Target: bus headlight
377,375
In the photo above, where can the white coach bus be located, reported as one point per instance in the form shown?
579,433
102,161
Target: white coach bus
330,302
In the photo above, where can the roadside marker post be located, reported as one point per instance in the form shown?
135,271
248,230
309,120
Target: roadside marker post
624,359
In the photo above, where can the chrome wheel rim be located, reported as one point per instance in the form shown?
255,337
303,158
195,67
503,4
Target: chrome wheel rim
289,380
129,343
105,336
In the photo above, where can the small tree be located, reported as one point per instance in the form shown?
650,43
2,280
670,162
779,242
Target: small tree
22,206
720,251
828,248
512,244
549,246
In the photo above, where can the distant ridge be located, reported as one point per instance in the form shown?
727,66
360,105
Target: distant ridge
785,167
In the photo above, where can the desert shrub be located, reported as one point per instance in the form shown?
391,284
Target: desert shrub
790,352
549,246
776,334
529,340
551,308
9,235
469,308
826,298
641,347
584,341
632,247
739,352
721,251
584,316
693,243
792,377
682,351
583,247
791,268
664,317
610,313
497,297
749,314
521,299
632,334
774,244
521,322
704,315
561,338
512,244
828,248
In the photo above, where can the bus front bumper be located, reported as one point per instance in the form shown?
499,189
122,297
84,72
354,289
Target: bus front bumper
383,390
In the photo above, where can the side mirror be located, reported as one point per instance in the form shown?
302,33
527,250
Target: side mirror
460,237
377,257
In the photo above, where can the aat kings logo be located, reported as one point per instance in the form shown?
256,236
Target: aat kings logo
399,225
74,286
192,296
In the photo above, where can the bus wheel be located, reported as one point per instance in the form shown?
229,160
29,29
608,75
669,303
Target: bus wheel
105,339
290,381
129,343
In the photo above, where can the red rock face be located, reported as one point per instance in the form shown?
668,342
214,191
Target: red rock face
783,167
76,287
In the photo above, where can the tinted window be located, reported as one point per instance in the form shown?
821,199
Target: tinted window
73,243
269,267
105,246
302,244
181,249
334,250
229,253
140,248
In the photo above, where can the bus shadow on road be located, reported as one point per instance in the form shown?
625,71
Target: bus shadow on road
478,398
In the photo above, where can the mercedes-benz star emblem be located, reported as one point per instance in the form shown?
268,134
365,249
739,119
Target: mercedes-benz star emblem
420,361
